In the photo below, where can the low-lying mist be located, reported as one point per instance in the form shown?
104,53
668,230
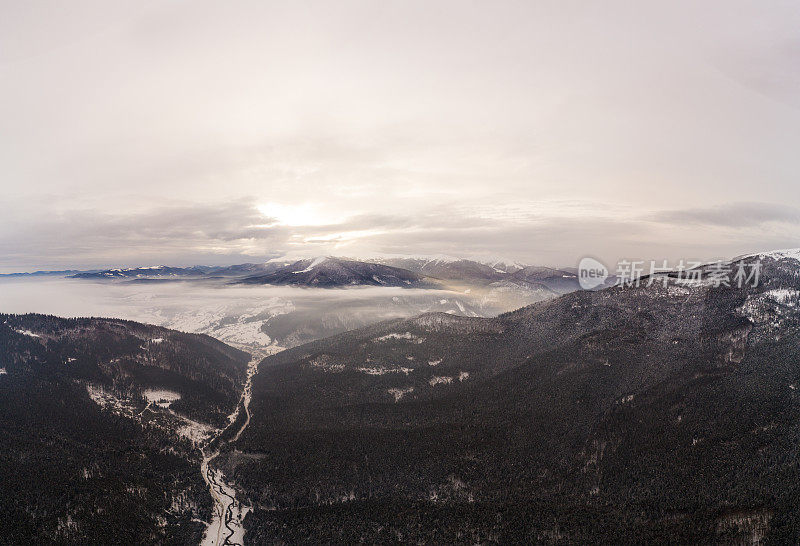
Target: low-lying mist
254,317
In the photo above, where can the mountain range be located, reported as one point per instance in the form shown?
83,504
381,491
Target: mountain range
666,411
629,414
328,272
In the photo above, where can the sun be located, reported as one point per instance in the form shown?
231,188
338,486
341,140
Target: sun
305,214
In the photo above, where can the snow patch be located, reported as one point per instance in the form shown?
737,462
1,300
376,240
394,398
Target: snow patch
693,281
787,296
326,364
440,380
673,290
27,333
407,335
161,397
106,399
384,371
434,362
793,253
314,264
195,432
400,393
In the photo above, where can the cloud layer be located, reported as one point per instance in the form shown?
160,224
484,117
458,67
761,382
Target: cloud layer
541,131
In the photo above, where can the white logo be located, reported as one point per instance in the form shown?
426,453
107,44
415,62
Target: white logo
591,273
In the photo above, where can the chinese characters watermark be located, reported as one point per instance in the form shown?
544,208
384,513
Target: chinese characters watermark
634,273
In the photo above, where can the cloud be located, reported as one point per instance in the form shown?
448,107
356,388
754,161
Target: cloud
734,215
165,233
130,137
238,231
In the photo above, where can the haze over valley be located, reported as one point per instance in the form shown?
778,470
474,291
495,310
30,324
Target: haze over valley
236,305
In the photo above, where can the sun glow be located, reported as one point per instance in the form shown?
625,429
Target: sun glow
306,214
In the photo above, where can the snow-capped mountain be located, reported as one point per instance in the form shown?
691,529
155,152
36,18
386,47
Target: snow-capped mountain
327,271
446,268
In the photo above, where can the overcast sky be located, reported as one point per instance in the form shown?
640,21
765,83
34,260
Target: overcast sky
176,132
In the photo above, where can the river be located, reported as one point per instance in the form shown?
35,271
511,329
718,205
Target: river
226,527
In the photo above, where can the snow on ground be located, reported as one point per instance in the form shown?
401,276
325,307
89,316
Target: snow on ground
407,335
771,309
434,362
463,376
27,333
108,400
195,432
400,393
326,364
673,290
3,371
440,380
228,511
314,264
788,296
157,340
161,397
183,427
383,371
692,282
793,253
233,324
243,332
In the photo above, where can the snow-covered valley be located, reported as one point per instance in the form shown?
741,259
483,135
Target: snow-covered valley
248,317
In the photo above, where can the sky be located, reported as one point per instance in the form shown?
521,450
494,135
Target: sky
176,132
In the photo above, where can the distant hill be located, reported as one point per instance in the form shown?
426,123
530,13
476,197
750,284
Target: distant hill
558,280
156,271
624,415
62,273
449,269
546,280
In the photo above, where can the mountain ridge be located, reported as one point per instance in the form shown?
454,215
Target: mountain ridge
623,414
